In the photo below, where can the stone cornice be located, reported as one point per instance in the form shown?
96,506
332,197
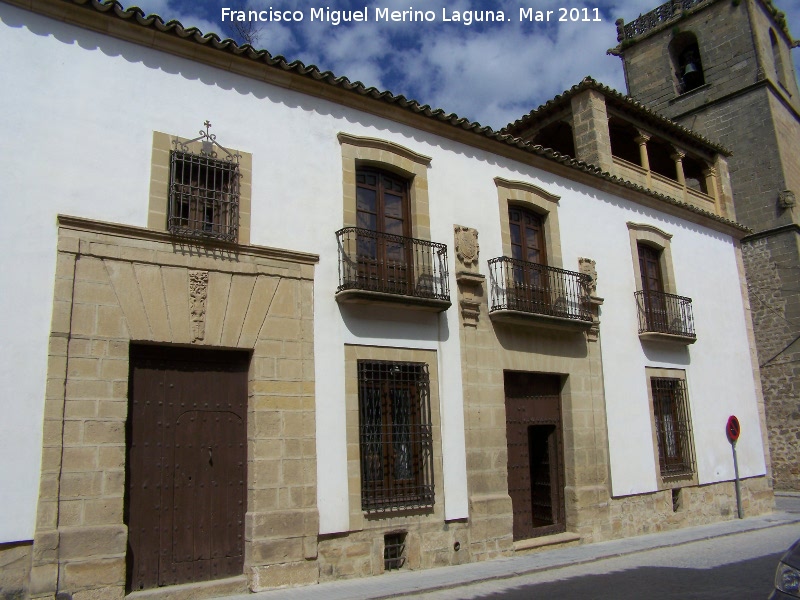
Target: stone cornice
192,246
378,144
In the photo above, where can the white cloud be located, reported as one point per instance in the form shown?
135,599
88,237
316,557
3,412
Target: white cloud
493,73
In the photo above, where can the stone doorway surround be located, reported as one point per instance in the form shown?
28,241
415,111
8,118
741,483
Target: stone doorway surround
117,284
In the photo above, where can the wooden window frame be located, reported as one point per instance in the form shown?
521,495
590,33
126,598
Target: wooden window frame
649,235
533,199
366,152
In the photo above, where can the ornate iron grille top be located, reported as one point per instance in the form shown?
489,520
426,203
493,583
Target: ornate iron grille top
204,189
209,142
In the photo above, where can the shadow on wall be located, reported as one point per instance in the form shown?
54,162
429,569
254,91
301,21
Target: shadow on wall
666,353
379,322
550,343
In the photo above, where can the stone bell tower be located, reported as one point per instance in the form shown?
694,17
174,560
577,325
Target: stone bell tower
724,69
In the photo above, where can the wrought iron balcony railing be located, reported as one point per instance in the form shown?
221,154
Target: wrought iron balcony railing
664,313
528,287
391,264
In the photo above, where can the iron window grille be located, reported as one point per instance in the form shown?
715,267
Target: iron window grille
673,427
395,435
394,550
204,190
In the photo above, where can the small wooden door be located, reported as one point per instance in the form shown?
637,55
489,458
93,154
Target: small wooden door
530,285
187,457
384,255
535,453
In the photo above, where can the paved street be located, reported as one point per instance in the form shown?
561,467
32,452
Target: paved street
739,566
734,560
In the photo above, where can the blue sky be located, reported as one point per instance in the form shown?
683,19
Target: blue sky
492,73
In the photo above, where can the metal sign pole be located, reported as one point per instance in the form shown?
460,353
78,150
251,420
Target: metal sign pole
738,484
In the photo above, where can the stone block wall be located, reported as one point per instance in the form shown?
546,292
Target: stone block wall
15,567
745,125
727,54
773,277
361,553
590,129
694,505
116,285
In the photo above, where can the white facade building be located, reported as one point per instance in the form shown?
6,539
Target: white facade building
94,100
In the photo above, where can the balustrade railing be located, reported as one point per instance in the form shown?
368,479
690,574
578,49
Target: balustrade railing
392,264
660,312
654,18
538,289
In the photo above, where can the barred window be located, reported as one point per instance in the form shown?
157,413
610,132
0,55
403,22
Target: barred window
673,427
395,436
204,190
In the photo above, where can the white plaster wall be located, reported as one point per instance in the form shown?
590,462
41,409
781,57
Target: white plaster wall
81,114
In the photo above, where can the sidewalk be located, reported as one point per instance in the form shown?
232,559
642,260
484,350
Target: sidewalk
414,582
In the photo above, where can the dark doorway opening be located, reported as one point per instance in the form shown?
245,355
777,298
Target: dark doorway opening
535,453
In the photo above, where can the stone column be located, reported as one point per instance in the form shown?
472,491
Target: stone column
678,156
644,158
710,173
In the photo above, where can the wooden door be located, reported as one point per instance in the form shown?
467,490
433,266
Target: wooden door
535,453
384,253
530,277
187,457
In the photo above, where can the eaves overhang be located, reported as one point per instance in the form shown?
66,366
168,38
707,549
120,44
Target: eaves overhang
132,24
622,103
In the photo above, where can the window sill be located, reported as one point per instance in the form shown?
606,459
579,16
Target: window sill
670,482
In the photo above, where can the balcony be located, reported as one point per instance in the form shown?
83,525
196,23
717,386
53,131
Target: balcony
536,295
663,185
391,269
665,317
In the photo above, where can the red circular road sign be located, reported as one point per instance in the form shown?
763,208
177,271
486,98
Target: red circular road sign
733,428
